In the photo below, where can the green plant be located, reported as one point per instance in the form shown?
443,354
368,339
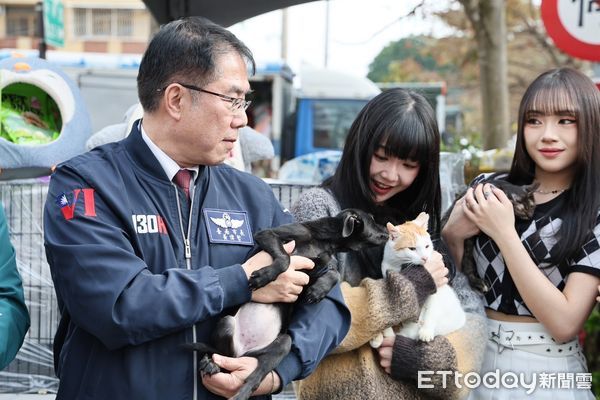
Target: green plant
591,348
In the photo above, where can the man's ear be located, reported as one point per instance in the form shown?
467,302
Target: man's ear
173,101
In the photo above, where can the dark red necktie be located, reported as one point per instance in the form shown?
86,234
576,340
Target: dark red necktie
182,179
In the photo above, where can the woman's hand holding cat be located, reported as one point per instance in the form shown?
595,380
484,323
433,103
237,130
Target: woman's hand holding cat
490,209
459,227
385,353
436,268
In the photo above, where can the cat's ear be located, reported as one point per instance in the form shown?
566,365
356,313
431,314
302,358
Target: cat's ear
532,187
422,220
392,230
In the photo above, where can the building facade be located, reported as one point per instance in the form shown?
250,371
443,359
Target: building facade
108,26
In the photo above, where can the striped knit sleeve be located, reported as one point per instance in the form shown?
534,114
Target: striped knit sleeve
377,304
460,351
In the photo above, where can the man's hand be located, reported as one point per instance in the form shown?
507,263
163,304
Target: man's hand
288,285
436,268
227,384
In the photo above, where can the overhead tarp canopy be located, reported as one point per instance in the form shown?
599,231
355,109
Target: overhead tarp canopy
223,12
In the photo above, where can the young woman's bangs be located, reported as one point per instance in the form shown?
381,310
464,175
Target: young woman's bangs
408,142
554,99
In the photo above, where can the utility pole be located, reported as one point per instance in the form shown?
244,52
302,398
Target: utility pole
42,47
284,35
326,33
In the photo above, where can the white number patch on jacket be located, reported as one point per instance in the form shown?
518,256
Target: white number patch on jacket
149,224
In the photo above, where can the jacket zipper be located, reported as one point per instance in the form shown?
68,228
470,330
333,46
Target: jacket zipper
188,264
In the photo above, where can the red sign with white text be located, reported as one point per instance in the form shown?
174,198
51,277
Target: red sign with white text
574,26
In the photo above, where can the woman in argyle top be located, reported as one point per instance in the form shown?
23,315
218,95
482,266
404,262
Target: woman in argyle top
542,273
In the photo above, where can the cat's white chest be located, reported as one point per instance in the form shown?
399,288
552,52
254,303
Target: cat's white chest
410,243
441,314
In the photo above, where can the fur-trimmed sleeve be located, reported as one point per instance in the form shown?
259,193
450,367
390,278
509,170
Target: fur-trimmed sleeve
460,351
379,304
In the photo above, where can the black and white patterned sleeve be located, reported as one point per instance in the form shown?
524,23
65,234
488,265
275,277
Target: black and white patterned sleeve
587,260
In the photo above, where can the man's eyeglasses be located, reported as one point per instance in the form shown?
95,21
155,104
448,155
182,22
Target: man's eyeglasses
236,103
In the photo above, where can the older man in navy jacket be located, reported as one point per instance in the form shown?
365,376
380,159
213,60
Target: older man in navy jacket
149,239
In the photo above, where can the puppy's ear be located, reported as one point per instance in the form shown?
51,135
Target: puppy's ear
349,221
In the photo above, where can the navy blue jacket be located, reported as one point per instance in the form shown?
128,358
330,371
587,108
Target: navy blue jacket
128,296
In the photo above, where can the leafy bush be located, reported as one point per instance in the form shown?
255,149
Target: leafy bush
591,348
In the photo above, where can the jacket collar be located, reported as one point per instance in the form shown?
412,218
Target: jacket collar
141,153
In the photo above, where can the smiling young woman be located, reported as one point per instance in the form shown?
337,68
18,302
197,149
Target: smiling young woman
543,272
390,168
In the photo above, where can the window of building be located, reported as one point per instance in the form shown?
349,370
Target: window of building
124,24
20,21
102,23
80,22
332,120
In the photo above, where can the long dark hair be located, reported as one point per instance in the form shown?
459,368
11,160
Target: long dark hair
554,91
406,123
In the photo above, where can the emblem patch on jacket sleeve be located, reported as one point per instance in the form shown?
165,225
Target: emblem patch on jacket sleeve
228,227
68,201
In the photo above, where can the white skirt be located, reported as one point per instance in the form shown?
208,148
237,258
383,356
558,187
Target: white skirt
523,360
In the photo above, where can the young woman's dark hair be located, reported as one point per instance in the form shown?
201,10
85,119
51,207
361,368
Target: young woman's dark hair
566,91
405,124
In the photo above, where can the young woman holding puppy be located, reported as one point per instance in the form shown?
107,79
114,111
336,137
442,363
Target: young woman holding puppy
544,272
389,168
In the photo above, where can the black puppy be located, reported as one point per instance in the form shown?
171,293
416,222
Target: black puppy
259,330
318,240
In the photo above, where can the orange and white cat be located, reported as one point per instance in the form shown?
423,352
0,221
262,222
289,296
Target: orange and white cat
410,244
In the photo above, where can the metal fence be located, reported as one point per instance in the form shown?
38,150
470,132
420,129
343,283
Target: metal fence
32,371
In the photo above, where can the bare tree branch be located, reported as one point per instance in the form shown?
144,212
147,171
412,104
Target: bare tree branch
411,13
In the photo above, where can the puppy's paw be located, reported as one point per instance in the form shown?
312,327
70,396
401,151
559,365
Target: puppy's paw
265,275
260,278
208,366
314,294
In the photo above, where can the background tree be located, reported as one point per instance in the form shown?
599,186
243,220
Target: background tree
457,61
407,59
488,20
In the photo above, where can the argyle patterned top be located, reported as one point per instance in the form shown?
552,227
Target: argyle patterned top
538,235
